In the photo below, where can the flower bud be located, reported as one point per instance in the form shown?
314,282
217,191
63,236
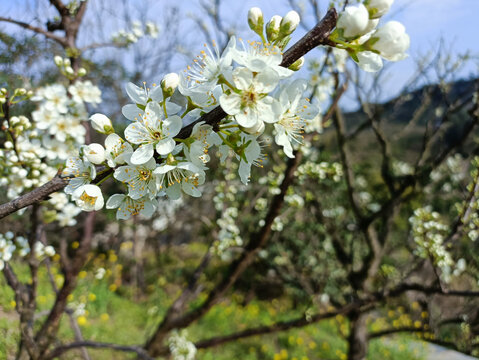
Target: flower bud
298,64
372,25
369,61
289,23
20,92
69,70
101,123
67,62
58,60
169,83
49,251
256,129
272,28
255,20
95,153
378,8
3,91
391,41
152,29
353,21
14,120
81,72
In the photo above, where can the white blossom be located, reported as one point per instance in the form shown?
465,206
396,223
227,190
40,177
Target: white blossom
180,347
378,8
255,19
258,57
251,104
391,41
95,153
180,176
117,151
293,113
80,171
142,96
85,91
202,76
139,178
128,207
153,132
289,22
88,197
353,21
101,123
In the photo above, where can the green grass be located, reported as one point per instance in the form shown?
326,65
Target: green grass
114,314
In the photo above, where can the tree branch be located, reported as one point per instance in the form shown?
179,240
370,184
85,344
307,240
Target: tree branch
388,332
38,30
317,36
257,241
33,196
276,327
45,334
142,354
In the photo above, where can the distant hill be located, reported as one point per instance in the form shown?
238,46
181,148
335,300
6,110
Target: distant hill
401,110
403,120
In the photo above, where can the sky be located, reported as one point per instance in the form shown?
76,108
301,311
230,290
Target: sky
426,21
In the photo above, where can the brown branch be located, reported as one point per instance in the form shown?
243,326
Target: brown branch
33,196
388,332
257,241
38,30
348,173
269,329
46,333
73,324
315,37
60,6
212,118
142,354
98,46
429,290
276,327
422,174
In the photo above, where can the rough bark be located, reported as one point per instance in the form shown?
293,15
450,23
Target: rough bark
358,337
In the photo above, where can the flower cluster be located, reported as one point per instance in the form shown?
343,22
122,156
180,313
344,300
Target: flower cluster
429,232
158,157
65,68
357,32
469,208
9,244
33,150
153,159
321,171
180,347
137,31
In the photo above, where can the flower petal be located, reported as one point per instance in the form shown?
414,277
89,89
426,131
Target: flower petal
132,112
137,94
165,146
115,201
230,103
143,154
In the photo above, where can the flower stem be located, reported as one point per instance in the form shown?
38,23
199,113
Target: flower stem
102,180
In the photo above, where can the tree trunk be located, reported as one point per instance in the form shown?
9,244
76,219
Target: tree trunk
358,337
